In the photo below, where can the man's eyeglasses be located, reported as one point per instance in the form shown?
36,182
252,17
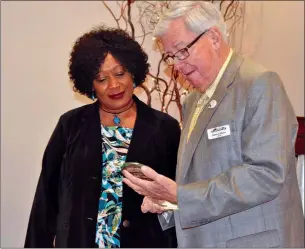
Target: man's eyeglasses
182,53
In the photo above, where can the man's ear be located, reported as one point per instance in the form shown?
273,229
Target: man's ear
216,37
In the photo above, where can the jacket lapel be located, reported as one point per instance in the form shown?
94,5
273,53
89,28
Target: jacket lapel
87,175
92,139
206,115
140,137
193,99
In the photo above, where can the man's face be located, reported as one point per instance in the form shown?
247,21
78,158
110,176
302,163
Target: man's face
199,67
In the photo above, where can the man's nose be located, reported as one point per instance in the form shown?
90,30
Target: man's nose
178,65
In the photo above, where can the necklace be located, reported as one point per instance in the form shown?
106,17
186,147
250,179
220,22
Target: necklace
116,119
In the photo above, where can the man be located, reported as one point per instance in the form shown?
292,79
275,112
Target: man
236,182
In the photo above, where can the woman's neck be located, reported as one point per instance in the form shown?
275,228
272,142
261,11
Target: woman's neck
124,116
117,111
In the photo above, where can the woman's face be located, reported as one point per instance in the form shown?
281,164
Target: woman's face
114,85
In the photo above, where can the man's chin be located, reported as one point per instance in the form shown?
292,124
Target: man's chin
194,83
199,86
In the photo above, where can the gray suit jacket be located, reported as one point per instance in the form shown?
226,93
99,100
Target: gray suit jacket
239,190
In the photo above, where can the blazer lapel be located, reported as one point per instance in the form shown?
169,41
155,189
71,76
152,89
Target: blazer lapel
206,115
91,134
193,98
144,122
87,173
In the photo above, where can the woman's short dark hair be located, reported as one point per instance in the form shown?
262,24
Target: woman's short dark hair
90,50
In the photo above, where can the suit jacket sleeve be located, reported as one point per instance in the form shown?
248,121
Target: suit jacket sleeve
166,219
42,222
173,130
268,138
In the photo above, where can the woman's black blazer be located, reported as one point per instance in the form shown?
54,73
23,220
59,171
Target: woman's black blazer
68,191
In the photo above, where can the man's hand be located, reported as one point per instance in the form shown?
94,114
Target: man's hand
160,188
152,206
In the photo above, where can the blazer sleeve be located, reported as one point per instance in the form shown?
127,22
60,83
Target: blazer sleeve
267,140
173,132
42,222
166,219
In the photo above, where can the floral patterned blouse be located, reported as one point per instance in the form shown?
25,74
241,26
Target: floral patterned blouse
115,142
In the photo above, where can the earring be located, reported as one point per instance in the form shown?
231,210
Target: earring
93,95
134,85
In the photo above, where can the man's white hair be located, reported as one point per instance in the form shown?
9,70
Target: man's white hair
198,16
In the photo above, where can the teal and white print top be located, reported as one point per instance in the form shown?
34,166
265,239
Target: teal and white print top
115,142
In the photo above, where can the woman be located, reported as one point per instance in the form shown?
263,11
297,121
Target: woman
80,199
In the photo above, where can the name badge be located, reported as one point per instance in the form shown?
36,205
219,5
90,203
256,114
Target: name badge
220,131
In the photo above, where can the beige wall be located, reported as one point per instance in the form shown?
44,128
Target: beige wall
276,40
35,43
35,91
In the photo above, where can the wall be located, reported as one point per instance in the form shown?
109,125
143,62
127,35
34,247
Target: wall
274,36
35,43
36,39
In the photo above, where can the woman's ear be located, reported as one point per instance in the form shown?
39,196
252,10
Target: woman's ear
133,83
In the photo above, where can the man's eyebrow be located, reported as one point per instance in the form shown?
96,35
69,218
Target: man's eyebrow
176,44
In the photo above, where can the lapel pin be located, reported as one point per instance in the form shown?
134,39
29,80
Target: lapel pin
213,103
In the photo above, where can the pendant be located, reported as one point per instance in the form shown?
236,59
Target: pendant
116,120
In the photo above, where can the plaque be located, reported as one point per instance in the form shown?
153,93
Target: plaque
134,168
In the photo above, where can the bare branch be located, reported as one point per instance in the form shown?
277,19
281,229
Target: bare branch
144,33
175,86
178,100
129,19
228,7
147,93
234,9
122,10
157,78
117,22
220,5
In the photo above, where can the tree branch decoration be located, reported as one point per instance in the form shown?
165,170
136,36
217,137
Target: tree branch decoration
167,83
